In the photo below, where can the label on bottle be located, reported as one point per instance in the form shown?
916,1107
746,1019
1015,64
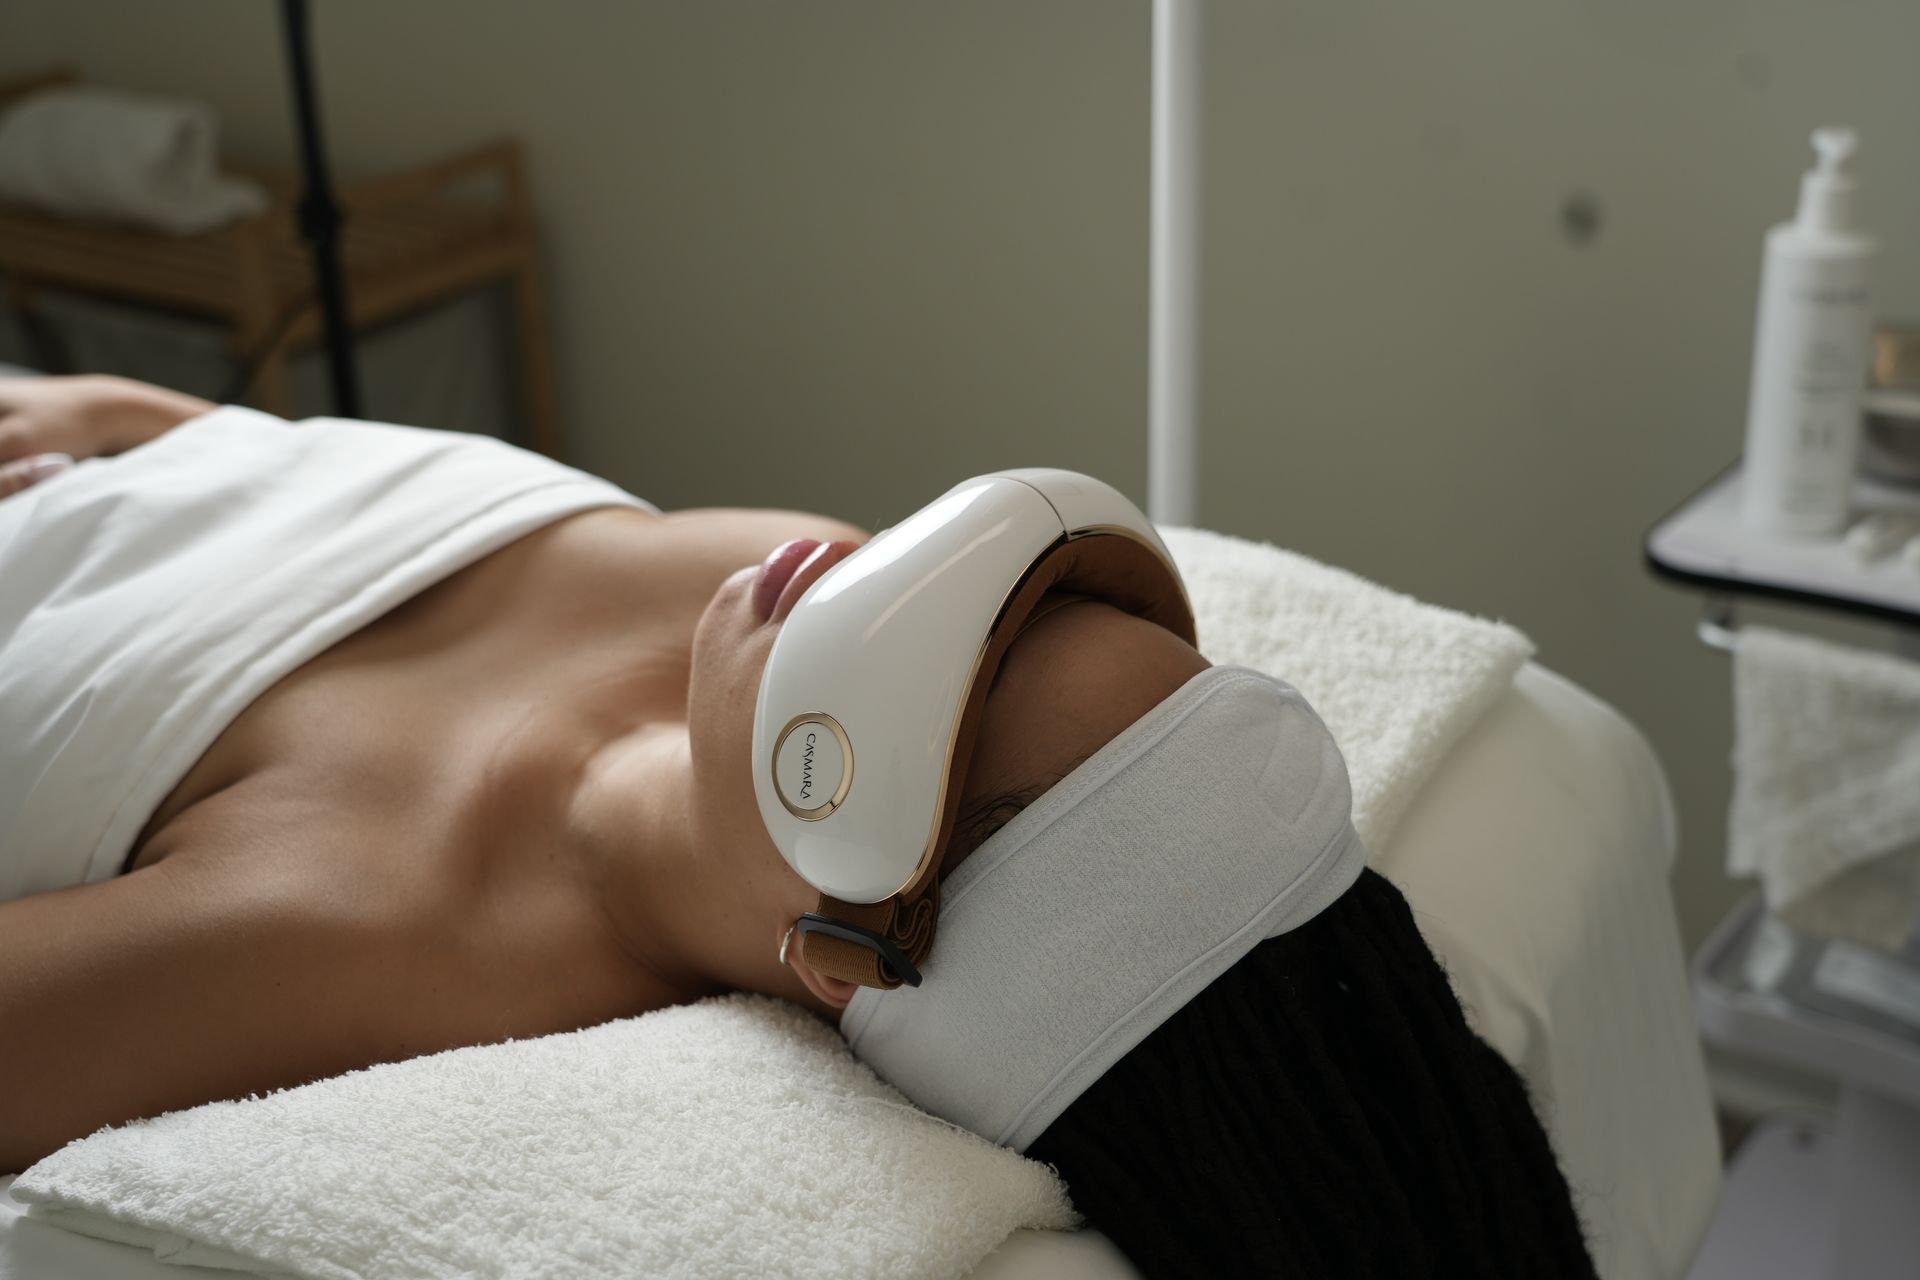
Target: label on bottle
1809,373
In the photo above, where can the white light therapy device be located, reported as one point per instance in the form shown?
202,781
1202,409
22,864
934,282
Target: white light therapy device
873,691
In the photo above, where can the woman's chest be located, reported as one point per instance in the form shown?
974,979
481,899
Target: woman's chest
390,914
460,714
403,794
451,722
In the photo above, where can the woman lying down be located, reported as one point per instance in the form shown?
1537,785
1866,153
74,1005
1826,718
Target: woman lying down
332,744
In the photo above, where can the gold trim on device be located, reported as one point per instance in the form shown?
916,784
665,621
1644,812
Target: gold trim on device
846,774
1155,545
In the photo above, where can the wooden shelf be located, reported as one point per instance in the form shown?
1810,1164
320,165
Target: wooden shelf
407,239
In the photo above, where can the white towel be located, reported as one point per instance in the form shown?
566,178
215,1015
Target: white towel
1398,681
1826,795
146,599
734,1137
677,1143
121,157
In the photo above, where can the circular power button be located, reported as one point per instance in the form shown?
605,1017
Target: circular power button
812,765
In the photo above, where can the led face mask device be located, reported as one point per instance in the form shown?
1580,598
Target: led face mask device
873,691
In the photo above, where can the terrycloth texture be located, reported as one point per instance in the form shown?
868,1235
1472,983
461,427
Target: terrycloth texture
734,1137
120,157
148,598
1219,818
1826,797
1396,680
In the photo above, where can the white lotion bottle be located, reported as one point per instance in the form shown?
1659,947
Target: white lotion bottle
1810,356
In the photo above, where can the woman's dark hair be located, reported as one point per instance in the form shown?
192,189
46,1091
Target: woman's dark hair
973,825
1322,1109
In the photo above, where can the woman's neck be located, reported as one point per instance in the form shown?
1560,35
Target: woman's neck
699,922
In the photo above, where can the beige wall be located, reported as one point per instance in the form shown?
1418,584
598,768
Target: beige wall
836,255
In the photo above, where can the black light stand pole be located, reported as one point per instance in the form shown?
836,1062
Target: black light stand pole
319,215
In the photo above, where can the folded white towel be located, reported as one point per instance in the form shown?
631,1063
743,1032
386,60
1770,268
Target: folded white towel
734,1137
738,1136
121,157
1826,795
1398,681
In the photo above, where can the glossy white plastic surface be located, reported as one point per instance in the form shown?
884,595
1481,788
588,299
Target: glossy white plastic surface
885,644
1083,503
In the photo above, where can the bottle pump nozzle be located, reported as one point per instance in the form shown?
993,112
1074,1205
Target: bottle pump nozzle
1826,192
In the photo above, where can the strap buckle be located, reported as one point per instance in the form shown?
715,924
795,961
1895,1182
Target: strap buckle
878,943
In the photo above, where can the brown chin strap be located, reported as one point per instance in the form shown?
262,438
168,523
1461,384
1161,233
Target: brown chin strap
882,944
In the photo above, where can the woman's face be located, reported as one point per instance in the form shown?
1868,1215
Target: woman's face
730,647
1072,681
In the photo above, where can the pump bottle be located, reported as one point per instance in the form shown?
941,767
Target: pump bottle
1810,354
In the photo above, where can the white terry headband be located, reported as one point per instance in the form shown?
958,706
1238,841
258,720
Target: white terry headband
1220,818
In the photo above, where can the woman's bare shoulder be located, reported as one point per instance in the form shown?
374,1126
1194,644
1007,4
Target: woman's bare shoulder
759,524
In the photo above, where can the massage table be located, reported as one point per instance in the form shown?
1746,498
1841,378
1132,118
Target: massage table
1536,860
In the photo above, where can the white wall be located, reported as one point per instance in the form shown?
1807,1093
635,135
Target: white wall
836,255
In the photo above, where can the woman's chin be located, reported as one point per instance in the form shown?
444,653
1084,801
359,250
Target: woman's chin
729,612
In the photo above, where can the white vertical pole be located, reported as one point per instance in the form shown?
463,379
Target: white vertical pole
1173,329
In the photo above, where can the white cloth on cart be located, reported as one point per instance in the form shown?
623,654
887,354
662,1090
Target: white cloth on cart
1826,795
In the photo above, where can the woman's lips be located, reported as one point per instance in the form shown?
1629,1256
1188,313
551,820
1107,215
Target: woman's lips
774,572
786,574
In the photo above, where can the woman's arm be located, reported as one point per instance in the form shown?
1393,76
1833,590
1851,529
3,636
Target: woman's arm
81,417
176,985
